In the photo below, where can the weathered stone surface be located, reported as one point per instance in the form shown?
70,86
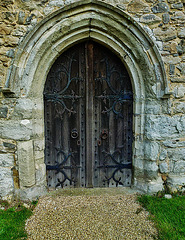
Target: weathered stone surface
160,8
19,31
176,154
165,34
26,164
178,17
40,173
4,29
138,6
56,3
178,79
151,170
6,160
174,143
149,18
11,41
171,69
9,146
179,167
21,17
178,5
6,179
171,60
151,151
23,108
163,155
155,186
163,167
10,53
39,145
181,67
162,127
32,193
10,16
17,130
181,33
181,47
179,91
166,18
3,111
176,180
179,107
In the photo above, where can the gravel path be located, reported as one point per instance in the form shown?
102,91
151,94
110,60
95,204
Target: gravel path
89,214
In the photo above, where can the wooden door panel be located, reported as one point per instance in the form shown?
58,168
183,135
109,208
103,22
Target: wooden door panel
88,119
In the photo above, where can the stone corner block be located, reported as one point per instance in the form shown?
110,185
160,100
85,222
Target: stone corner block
151,151
26,163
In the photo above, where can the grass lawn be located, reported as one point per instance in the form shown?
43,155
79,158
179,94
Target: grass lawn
168,214
12,222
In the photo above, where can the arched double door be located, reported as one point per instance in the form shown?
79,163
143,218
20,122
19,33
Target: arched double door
88,119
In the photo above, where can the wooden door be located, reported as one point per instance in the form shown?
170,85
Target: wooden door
88,119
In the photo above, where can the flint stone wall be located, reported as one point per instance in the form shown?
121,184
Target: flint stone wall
158,157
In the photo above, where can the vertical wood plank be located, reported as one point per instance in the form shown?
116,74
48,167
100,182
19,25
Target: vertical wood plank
89,114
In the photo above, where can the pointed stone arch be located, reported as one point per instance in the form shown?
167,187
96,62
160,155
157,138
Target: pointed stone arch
109,26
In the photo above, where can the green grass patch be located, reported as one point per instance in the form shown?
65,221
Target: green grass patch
12,222
168,214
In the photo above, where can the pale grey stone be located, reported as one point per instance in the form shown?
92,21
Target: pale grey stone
16,130
174,143
163,167
164,127
56,3
166,18
181,67
179,107
10,53
39,145
3,111
163,155
6,160
6,182
40,173
179,16
181,33
26,164
177,5
165,34
9,146
32,193
23,109
179,166
168,196
21,17
181,47
149,18
151,150
171,69
151,170
155,186
48,9
179,91
153,107
176,180
176,154
160,8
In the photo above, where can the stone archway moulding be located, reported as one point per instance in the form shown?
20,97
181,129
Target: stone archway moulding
77,22
80,21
